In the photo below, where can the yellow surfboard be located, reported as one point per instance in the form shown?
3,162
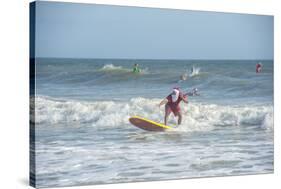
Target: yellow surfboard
147,124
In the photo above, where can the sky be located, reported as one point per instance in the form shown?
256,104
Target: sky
72,30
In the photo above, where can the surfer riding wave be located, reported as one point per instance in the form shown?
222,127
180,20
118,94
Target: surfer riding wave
172,104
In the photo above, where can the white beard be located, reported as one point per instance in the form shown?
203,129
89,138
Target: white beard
175,96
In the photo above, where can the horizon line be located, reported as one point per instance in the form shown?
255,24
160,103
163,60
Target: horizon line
150,58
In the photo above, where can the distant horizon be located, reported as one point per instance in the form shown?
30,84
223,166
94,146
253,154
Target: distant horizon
146,58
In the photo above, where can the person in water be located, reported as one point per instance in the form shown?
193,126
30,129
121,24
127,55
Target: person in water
136,69
194,92
258,67
191,70
172,104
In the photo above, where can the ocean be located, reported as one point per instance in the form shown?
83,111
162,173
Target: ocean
83,136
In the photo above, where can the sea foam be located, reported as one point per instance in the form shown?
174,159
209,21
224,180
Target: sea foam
196,116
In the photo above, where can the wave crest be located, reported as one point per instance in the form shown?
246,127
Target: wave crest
112,67
195,71
196,116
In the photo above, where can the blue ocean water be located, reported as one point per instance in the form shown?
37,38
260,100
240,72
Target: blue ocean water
83,135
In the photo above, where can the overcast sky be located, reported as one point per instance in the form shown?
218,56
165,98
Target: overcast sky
72,30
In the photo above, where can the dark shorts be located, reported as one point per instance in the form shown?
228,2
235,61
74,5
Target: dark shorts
170,109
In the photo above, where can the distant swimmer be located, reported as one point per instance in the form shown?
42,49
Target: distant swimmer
172,104
258,67
194,92
136,69
191,70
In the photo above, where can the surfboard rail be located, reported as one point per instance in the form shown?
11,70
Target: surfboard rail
147,124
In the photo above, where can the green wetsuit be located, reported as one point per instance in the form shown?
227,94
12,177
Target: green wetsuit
136,70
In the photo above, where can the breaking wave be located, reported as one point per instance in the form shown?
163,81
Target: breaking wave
120,69
196,116
111,67
195,71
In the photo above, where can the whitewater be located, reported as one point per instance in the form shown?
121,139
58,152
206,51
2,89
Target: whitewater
199,116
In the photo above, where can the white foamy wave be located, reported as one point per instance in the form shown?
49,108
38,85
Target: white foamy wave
110,67
194,72
113,68
268,121
196,116
205,115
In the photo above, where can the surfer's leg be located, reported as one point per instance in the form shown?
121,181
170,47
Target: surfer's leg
179,117
167,113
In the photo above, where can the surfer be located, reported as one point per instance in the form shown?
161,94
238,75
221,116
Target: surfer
258,67
136,69
172,104
194,92
191,70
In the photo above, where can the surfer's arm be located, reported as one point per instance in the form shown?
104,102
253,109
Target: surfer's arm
164,101
184,98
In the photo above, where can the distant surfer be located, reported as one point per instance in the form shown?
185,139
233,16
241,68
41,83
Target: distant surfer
191,70
194,92
136,69
172,104
258,67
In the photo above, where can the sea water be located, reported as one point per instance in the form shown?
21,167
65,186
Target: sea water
83,136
